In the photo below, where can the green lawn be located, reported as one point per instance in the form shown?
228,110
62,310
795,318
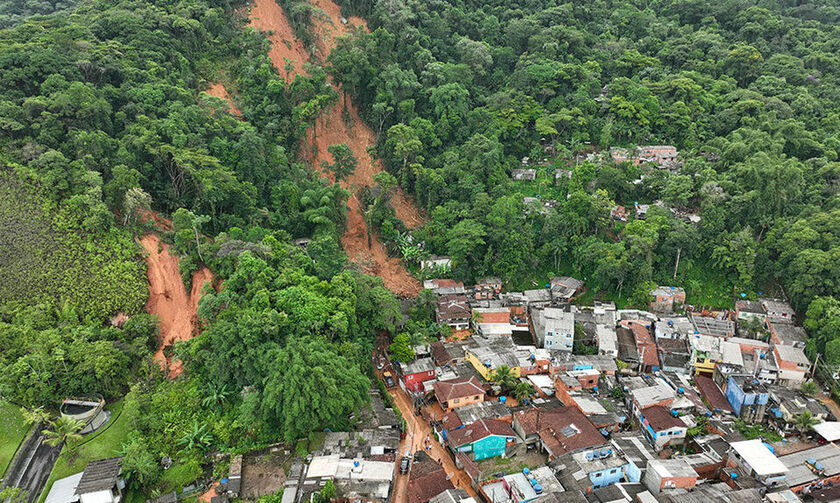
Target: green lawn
103,445
12,430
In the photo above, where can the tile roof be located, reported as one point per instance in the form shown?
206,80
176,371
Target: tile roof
712,393
490,315
440,354
660,418
644,342
562,430
427,480
478,430
458,388
100,475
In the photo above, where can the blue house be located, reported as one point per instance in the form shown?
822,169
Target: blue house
485,438
748,397
596,468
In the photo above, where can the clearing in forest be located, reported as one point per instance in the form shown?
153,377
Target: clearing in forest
168,298
217,89
288,52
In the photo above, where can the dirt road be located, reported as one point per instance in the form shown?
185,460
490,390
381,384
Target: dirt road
289,55
168,299
416,431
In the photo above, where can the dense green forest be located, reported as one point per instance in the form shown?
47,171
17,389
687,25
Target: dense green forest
103,118
747,91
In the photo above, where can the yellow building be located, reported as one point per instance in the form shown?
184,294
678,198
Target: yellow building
486,359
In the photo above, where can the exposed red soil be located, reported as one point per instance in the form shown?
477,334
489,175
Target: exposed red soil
268,16
217,89
160,222
331,129
168,299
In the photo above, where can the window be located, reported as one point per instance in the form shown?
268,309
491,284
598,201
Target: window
409,378
457,400
614,470
431,372
597,475
476,397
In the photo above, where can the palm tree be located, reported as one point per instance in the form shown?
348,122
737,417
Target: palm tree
197,437
804,422
809,388
64,430
503,376
35,416
216,395
523,390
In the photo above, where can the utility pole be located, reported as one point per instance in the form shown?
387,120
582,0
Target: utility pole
814,366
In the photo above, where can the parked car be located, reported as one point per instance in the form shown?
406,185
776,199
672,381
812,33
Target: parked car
389,381
381,364
405,462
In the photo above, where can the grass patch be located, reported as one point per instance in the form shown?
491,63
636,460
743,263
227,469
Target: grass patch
12,430
706,287
104,445
179,475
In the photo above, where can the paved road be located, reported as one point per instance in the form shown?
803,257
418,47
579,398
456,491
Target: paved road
416,430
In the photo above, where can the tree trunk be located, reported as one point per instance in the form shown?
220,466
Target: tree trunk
677,264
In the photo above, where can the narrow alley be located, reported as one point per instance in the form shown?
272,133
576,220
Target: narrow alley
416,430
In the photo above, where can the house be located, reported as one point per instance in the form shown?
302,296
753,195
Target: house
640,211
458,392
659,155
522,487
453,496
659,393
564,289
748,398
607,340
485,438
453,310
749,309
487,288
101,482
712,393
492,322
786,403
755,460
415,373
635,449
471,413
778,311
528,174
487,355
556,431
444,286
674,355
435,262
362,478
812,469
645,347
619,213
589,470
663,474
661,428
554,328
666,298
787,334
706,325
793,364
673,328
562,173
427,480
